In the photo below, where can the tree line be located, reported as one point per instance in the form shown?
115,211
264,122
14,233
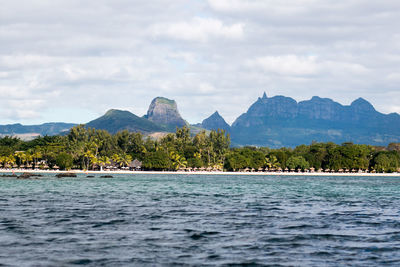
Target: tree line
87,149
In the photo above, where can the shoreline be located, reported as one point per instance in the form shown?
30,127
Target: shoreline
19,171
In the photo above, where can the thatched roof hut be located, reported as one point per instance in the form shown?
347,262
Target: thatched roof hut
135,164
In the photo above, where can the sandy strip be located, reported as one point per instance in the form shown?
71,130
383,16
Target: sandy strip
18,171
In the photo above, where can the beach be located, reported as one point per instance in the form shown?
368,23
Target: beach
19,171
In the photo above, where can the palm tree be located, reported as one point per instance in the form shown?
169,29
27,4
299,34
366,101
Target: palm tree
20,155
178,161
272,162
102,161
9,161
36,155
89,157
124,160
2,160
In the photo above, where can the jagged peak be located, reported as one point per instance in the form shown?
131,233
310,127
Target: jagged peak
214,122
264,95
165,111
215,114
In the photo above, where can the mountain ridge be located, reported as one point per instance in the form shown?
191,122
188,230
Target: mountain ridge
282,121
270,121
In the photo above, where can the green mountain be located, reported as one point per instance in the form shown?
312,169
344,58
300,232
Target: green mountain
117,120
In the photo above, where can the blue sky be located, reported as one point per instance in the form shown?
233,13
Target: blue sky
70,60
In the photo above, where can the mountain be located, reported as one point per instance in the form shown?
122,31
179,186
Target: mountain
165,112
117,120
51,128
281,121
215,122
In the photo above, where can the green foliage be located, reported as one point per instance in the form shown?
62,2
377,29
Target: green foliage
297,162
65,161
386,161
158,160
88,148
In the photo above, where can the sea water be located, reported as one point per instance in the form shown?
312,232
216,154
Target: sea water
155,219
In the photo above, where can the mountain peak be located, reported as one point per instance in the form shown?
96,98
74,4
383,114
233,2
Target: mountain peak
360,104
112,112
215,122
264,95
215,114
163,100
117,120
164,111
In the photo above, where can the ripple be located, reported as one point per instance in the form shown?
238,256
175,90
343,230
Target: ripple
204,220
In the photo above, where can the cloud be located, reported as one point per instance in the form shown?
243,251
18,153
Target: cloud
292,65
66,55
286,65
199,29
276,7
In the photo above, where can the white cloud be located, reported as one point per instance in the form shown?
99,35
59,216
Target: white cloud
199,29
292,65
275,7
208,55
286,65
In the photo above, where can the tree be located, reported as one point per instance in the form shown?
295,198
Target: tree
297,162
272,162
157,160
65,161
386,161
124,160
235,161
20,157
102,161
177,160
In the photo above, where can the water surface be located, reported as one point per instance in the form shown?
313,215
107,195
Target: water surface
200,220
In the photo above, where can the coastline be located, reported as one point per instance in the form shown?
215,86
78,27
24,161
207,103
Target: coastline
19,171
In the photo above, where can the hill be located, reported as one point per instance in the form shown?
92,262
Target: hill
117,120
52,128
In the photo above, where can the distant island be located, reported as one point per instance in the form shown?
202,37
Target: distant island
93,149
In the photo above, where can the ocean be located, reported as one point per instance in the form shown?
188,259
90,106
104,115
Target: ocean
215,220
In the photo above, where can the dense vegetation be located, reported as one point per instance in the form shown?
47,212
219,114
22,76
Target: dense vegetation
89,148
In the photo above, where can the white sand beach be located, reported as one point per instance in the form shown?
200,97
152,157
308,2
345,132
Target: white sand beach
19,171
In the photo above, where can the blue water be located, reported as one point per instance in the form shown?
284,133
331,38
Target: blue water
200,220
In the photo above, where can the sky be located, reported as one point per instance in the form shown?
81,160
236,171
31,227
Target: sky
72,60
